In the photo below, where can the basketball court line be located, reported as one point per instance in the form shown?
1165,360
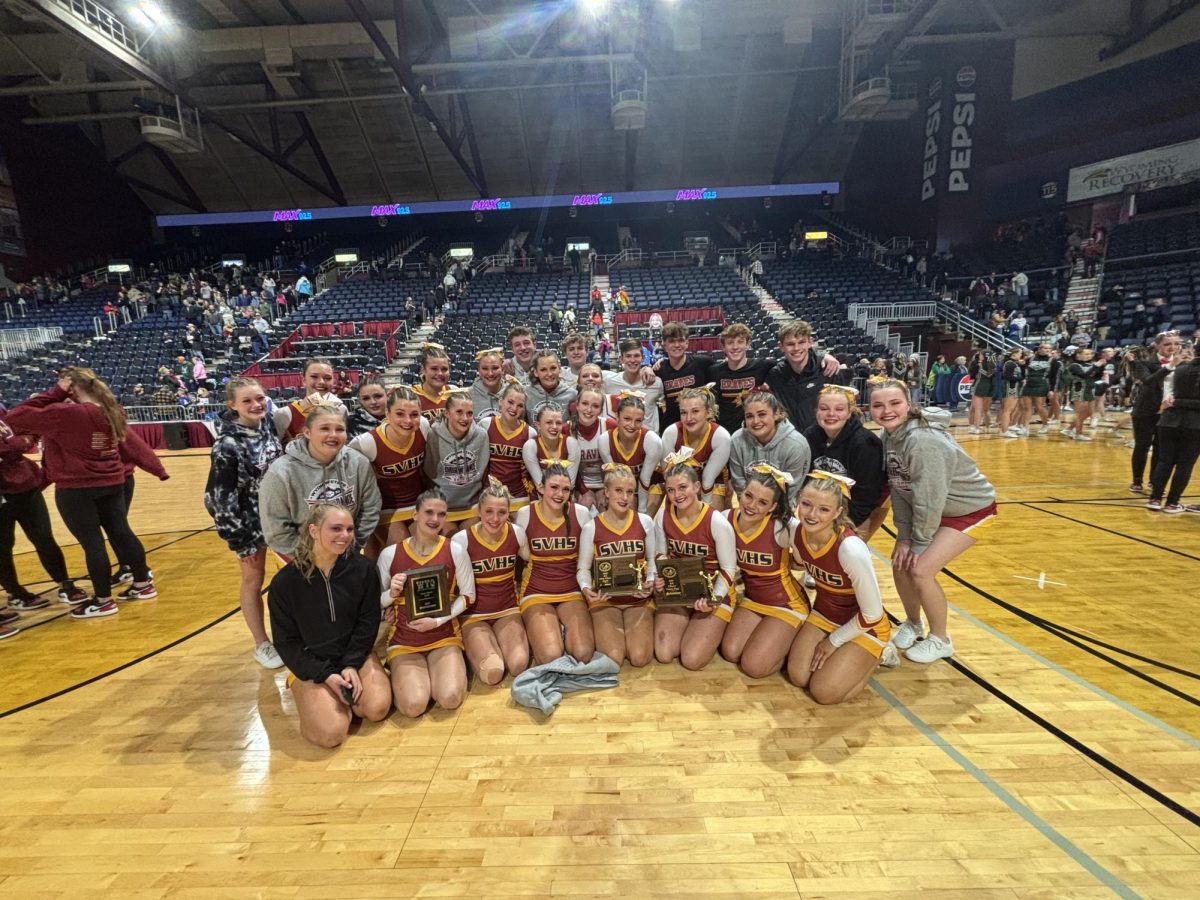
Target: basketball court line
1094,868
1111,531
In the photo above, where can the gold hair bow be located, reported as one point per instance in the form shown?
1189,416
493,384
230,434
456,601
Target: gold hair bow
430,345
682,455
709,388
637,395
850,392
498,351
495,482
547,463
781,478
613,467
844,484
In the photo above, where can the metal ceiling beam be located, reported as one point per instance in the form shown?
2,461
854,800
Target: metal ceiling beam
129,154
362,130
631,148
1147,27
159,192
84,87
306,129
409,82
177,176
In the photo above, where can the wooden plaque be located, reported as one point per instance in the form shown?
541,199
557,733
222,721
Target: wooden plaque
684,581
620,574
426,593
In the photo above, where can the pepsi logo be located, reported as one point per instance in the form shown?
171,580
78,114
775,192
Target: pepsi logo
965,78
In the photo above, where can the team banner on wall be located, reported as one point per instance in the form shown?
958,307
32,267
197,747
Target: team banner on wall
12,239
1111,176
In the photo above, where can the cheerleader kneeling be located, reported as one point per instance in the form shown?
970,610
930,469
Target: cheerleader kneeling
623,624
426,655
845,636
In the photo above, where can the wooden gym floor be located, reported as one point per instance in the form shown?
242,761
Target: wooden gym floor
149,756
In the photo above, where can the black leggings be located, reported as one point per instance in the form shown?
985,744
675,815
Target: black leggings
1144,429
1177,449
29,511
86,511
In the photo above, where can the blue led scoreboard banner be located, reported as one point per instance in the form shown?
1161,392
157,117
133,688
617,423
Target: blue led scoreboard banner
500,204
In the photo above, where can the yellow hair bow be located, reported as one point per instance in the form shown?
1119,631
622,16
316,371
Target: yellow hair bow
781,478
547,463
844,484
456,389
490,351
495,482
850,392
682,455
430,345
637,395
615,467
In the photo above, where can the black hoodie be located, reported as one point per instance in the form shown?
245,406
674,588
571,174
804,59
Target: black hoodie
240,458
858,453
324,625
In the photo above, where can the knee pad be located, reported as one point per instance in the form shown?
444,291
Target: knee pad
491,669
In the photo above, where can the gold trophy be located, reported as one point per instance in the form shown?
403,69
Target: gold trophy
620,575
684,582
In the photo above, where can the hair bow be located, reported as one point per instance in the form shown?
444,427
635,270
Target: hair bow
682,455
781,478
495,482
636,395
430,345
547,463
844,484
850,392
490,351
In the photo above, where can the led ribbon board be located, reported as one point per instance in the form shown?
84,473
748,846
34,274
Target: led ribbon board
501,204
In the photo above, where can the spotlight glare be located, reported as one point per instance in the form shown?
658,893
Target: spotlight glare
596,8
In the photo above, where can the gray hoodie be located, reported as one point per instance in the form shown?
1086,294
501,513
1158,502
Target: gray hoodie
930,476
296,482
787,451
536,397
457,467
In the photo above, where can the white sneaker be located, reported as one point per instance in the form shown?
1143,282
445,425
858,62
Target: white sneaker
1045,429
1011,433
1083,437
890,659
266,656
1052,422
906,634
974,429
930,649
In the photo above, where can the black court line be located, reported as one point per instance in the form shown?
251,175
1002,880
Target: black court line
1071,741
1076,639
1113,532
67,612
140,534
122,667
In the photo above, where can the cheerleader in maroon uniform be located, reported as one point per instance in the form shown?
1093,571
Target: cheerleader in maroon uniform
697,429
507,435
493,631
639,448
550,442
623,623
550,597
435,379
687,526
396,450
772,605
588,430
846,634
426,656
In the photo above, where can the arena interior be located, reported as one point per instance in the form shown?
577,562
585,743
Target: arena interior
964,199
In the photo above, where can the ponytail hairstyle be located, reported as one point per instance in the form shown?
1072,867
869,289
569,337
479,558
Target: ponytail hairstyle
551,468
777,482
370,382
835,486
238,383
402,392
681,463
430,351
914,411
628,399
618,471
764,395
433,493
548,406
88,382
304,556
457,396
574,421
704,393
495,488
315,361
322,410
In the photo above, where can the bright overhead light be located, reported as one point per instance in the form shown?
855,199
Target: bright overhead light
596,7
148,15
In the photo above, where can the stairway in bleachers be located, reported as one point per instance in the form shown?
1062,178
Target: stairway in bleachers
1083,293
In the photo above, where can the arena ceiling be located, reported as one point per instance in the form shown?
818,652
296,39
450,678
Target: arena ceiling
320,102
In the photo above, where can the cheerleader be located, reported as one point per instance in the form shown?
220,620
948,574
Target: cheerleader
639,448
846,635
325,628
983,375
773,605
507,434
841,444
591,377
435,376
241,454
550,443
396,451
426,656
550,597
372,407
318,391
456,459
687,526
1037,389
1083,374
492,630
623,624
938,498
588,430
1012,377
767,436
697,429
485,390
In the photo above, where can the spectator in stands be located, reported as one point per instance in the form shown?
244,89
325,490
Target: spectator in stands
1160,315
199,372
1020,285
1091,258
623,298
1017,325
568,320
554,318
798,378
261,330
304,288
603,347
655,326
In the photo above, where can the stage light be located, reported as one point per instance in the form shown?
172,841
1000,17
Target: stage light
596,8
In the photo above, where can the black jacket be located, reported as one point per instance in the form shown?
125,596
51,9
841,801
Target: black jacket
1185,410
1148,374
325,625
858,453
240,458
798,391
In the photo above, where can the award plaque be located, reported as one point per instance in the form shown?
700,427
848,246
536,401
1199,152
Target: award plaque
622,574
684,582
426,593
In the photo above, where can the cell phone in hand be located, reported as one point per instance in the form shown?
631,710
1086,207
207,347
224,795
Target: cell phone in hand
348,694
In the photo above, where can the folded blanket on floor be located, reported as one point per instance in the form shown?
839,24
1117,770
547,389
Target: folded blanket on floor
543,687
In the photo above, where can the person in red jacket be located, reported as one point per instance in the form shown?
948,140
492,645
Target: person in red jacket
82,429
